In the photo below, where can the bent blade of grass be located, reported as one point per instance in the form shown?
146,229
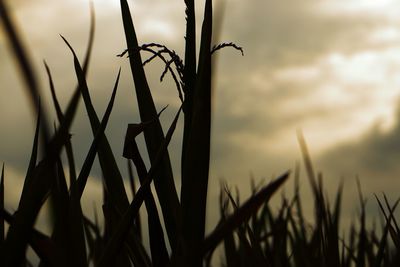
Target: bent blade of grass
158,249
243,213
89,48
154,137
126,221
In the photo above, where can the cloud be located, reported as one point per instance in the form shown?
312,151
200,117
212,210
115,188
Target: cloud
373,156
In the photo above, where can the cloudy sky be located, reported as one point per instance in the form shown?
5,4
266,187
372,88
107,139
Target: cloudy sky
330,68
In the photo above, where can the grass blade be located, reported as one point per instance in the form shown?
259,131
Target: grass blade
28,75
138,224
189,77
157,243
154,137
126,221
60,116
34,197
87,165
37,191
33,158
75,216
308,162
243,213
43,246
111,174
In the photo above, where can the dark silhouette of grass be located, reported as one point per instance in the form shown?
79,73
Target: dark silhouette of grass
254,234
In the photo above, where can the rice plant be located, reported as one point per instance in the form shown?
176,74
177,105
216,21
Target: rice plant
75,239
252,233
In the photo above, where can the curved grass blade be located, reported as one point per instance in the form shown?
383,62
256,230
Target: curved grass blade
158,249
197,156
154,137
126,221
89,48
28,75
242,214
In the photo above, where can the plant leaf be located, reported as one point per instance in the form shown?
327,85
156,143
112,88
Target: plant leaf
112,176
154,137
35,194
197,155
28,75
157,243
60,116
126,221
243,213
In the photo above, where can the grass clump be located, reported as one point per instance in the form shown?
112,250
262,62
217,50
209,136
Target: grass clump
252,235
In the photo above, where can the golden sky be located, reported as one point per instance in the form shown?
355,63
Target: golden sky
330,68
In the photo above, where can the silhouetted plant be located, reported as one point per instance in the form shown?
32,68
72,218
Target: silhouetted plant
77,241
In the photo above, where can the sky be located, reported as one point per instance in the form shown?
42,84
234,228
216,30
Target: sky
329,68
